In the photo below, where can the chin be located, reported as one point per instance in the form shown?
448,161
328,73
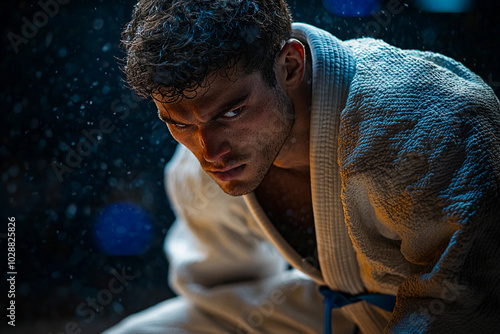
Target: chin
237,188
245,183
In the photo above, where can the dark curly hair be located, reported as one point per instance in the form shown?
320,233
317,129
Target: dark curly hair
173,46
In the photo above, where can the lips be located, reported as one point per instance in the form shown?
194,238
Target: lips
228,173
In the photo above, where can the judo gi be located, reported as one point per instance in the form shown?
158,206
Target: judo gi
405,175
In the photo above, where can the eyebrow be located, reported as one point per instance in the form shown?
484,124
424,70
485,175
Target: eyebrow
228,106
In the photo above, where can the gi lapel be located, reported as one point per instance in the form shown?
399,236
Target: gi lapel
333,70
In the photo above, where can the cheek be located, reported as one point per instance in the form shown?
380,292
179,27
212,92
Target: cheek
174,134
169,127
190,144
272,121
257,133
183,138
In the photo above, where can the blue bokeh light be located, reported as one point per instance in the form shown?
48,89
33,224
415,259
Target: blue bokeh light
351,8
123,229
445,6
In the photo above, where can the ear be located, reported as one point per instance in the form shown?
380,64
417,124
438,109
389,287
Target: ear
290,65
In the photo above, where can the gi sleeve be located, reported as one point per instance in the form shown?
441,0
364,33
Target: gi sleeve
421,173
447,215
219,259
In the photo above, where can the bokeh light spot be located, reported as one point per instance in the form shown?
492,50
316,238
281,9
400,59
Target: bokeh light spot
123,229
445,6
351,8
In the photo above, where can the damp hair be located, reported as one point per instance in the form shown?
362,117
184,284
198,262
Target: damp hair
173,47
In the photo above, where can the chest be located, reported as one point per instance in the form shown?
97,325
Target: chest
288,204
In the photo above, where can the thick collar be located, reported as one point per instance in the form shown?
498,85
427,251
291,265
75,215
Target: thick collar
333,70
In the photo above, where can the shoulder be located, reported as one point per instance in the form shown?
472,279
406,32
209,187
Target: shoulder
394,72
399,94
415,113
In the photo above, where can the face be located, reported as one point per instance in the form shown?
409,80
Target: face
236,128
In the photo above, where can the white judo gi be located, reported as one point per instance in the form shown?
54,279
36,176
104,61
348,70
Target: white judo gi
405,176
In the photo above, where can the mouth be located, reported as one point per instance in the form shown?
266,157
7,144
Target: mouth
228,173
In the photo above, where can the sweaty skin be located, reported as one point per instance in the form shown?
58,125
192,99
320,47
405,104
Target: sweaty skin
239,127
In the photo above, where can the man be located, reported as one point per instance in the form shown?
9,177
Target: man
372,171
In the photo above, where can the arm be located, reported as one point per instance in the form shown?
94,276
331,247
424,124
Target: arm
445,223
220,261
454,233
213,240
421,178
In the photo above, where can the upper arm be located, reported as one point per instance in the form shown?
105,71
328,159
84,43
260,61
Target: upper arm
421,185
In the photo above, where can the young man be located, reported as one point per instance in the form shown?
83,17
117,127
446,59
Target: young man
373,171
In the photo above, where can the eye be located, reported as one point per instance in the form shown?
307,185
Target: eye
177,126
233,113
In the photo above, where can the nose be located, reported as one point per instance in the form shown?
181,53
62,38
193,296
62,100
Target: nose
213,143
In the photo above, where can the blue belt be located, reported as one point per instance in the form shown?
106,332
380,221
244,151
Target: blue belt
337,299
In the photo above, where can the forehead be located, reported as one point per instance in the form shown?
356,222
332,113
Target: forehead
212,96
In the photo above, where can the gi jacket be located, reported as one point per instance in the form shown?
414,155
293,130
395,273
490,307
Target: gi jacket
405,174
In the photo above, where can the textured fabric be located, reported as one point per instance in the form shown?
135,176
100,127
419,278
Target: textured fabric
333,69
174,316
405,177
419,151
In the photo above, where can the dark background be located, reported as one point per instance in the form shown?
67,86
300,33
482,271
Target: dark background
64,80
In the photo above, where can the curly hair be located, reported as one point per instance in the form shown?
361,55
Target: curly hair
173,46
